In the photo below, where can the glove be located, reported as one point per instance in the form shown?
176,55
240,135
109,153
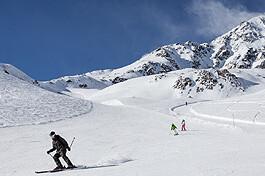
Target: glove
48,152
69,149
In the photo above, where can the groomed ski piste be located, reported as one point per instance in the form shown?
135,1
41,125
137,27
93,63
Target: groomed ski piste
127,127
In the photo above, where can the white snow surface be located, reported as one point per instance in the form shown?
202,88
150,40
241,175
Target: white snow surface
23,103
130,133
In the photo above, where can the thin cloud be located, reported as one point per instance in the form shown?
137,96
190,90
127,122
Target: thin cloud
167,25
214,18
164,22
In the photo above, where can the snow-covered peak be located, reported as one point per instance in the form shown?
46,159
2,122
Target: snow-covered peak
162,60
243,35
240,47
258,21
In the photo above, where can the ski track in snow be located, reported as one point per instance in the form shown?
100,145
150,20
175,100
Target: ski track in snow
230,108
114,160
219,118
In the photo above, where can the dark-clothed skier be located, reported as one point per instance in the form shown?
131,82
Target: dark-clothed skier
60,145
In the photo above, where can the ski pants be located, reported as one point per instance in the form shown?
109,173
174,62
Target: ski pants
175,132
65,158
183,128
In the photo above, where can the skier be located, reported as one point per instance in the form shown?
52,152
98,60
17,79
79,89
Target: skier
186,103
174,128
183,125
60,145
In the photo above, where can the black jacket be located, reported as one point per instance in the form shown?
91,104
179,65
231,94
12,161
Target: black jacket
59,144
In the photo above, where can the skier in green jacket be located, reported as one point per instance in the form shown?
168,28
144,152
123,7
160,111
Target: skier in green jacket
174,129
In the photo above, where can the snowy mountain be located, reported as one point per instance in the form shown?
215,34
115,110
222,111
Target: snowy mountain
242,47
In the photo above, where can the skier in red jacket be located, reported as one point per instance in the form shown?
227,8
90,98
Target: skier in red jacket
183,125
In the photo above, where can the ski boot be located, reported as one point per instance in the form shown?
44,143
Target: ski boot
58,168
71,167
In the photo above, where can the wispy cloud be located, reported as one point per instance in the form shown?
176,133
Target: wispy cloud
164,22
214,18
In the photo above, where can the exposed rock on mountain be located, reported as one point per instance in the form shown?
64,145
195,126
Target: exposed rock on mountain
198,81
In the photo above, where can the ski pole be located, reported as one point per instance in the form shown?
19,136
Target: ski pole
50,155
72,142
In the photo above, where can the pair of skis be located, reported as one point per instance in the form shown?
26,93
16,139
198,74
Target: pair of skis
75,168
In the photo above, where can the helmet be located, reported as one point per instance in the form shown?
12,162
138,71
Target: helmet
52,133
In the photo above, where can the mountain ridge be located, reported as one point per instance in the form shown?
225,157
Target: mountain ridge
241,47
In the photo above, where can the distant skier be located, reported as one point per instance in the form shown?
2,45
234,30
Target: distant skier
174,129
183,125
186,103
60,145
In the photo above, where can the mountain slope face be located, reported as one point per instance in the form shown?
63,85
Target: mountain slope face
22,102
242,47
163,60
78,81
206,84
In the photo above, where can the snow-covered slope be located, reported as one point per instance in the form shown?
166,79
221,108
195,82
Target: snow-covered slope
132,129
189,83
138,139
68,82
162,60
22,102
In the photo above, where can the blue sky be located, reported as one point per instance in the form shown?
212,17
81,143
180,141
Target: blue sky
52,38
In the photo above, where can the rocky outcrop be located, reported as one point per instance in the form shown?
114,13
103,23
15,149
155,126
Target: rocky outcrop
195,82
183,83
